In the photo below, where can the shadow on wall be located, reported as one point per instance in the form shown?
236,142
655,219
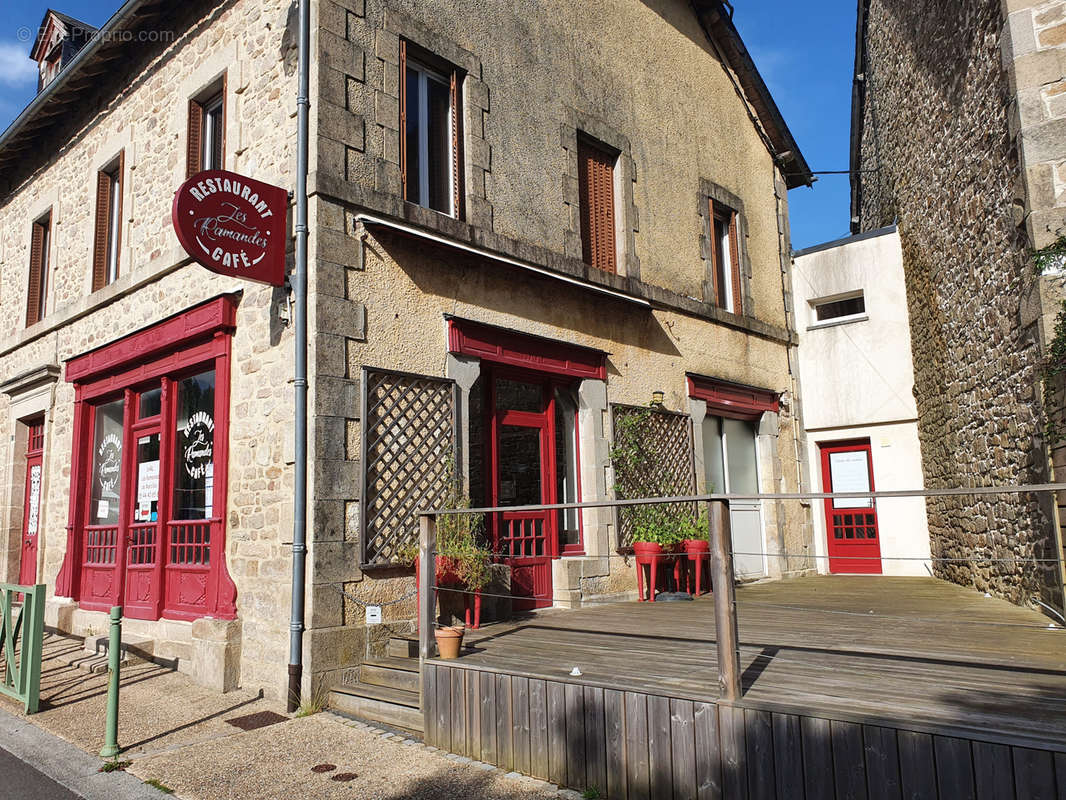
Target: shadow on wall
478,281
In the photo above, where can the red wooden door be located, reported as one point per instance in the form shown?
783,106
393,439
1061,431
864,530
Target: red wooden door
853,539
143,584
522,473
31,516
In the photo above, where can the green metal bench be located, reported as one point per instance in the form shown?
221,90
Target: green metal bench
22,642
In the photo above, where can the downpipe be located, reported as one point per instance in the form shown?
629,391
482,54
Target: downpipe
299,284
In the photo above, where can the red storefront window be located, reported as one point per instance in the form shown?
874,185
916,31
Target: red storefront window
148,485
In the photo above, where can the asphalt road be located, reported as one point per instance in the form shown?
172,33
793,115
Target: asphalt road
23,782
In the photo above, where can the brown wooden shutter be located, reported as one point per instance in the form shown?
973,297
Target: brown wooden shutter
194,141
717,297
103,215
457,138
403,117
33,294
596,190
734,257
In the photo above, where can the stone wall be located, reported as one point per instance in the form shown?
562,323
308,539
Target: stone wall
140,107
940,157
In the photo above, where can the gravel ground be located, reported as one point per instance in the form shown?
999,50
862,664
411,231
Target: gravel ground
276,763
176,733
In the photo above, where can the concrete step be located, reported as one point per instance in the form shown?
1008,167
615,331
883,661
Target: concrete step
382,704
392,673
399,647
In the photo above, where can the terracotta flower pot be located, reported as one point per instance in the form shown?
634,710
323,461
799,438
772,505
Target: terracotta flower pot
449,640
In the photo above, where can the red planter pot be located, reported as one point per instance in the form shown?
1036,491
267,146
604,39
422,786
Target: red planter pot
652,556
698,552
447,577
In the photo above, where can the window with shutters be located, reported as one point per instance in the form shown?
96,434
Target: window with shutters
430,132
107,236
596,164
40,254
725,257
206,141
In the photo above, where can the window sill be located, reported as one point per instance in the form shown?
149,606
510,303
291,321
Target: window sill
832,323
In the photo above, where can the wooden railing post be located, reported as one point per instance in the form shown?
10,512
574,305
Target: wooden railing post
427,593
725,605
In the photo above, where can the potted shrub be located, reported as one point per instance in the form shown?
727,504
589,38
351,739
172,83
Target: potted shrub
462,561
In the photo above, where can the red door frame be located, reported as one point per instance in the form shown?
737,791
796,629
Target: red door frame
857,552
34,458
544,422
188,343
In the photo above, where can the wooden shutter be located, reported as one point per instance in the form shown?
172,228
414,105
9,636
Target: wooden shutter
33,294
712,233
734,258
194,141
596,190
100,232
403,118
457,138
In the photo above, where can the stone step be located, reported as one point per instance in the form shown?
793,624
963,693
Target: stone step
392,673
399,647
382,704
89,661
135,648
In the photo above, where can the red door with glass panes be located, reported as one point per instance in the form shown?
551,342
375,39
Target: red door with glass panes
521,471
853,539
31,516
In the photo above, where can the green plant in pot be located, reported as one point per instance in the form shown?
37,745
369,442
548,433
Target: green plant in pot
462,562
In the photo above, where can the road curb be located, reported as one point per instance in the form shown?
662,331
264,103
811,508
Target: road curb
69,765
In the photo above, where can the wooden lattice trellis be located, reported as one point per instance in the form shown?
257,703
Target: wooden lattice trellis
409,445
666,467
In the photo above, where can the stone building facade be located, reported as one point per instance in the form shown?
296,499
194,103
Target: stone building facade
489,287
959,139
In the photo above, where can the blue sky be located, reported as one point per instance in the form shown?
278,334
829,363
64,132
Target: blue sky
805,52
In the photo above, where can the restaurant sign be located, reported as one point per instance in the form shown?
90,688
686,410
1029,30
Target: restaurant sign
233,225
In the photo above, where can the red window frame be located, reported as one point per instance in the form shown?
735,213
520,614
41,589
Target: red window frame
161,355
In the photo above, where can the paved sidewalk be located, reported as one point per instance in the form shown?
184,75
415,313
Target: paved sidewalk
177,733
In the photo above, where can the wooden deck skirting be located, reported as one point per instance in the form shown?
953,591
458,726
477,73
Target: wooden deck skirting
854,687
630,745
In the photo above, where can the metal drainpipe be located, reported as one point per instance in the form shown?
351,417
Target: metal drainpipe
299,284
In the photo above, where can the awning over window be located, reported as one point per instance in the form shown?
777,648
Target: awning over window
505,346
410,230
733,400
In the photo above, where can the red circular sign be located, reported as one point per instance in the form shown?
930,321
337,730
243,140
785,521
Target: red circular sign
233,225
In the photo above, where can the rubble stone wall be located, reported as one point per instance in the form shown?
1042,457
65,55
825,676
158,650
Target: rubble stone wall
940,156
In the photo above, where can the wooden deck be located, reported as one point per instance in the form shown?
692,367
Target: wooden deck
916,653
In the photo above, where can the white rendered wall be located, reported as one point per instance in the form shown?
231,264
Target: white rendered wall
857,378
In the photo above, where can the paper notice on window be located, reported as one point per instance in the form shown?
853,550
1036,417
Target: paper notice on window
147,483
103,509
849,472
